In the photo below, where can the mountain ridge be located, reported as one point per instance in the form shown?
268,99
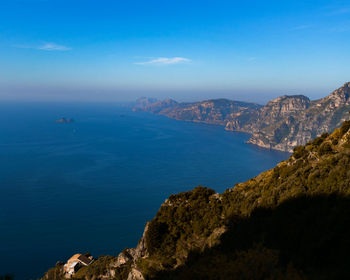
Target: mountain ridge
282,124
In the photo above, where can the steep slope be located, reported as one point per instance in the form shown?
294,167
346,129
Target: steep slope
291,222
275,110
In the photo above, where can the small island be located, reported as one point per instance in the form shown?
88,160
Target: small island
64,120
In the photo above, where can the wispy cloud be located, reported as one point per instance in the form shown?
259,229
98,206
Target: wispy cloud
44,47
164,61
53,47
252,58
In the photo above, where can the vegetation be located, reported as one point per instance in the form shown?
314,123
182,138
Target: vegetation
55,273
302,238
98,267
186,215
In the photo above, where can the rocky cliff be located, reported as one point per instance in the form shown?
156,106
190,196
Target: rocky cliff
291,222
303,120
282,124
276,109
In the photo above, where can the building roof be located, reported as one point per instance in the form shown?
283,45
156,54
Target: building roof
84,260
74,258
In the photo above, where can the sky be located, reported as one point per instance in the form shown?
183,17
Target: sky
84,50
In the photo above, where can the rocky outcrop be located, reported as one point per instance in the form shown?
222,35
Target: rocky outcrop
135,275
130,256
282,124
141,249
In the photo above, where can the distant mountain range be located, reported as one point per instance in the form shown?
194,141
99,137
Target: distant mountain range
282,124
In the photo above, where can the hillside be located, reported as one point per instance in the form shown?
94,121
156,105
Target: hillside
282,124
291,222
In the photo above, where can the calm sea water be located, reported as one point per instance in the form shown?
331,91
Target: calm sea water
91,185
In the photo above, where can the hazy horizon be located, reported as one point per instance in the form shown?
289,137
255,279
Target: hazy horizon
123,96
104,51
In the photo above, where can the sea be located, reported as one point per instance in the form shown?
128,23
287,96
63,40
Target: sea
91,185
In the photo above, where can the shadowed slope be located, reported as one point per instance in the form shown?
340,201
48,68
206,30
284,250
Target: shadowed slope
303,238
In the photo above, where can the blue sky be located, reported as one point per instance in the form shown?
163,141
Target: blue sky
118,50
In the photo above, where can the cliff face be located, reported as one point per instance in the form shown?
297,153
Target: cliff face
282,124
304,122
291,222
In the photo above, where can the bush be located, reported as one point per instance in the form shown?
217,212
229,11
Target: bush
345,127
155,234
299,152
325,148
318,141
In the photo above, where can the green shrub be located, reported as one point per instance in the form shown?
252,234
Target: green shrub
299,152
